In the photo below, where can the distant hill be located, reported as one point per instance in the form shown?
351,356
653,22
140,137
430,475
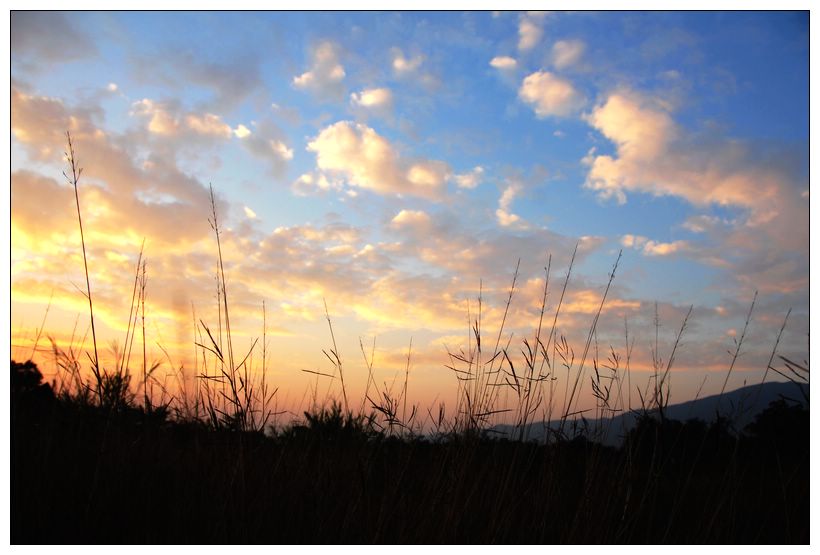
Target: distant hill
740,406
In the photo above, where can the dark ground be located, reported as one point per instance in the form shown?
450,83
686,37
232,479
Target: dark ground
83,474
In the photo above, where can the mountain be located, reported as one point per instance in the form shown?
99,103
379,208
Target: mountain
739,406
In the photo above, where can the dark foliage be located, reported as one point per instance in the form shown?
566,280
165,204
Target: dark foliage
82,474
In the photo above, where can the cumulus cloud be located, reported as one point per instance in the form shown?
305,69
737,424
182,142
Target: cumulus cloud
368,160
655,156
550,95
153,193
764,242
326,73
566,53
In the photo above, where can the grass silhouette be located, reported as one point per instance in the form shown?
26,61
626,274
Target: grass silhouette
91,464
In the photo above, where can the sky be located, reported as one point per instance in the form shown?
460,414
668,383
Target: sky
392,167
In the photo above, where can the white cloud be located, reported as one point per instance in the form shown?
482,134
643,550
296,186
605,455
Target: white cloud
503,214
313,183
161,121
471,179
112,87
504,63
326,74
241,131
249,213
529,30
550,95
208,124
402,65
377,98
166,118
654,248
367,160
280,149
417,219
566,53
654,155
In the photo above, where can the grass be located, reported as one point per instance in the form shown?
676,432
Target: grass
92,464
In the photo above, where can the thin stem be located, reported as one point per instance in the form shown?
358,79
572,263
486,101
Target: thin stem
76,173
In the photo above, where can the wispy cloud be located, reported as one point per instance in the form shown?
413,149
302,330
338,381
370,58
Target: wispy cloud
267,142
41,39
168,119
326,75
567,53
530,30
471,179
403,65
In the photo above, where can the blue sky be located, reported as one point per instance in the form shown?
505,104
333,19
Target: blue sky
389,161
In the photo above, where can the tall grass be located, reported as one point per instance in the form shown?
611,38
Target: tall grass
364,470
74,180
499,378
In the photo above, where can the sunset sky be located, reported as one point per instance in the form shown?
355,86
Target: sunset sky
390,163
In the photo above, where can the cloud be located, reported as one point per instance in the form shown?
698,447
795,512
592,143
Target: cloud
503,214
378,100
326,73
367,160
241,132
208,124
249,213
654,155
471,179
550,95
761,244
530,30
40,39
150,196
166,118
312,183
267,143
230,82
566,53
654,248
403,65
504,63
417,219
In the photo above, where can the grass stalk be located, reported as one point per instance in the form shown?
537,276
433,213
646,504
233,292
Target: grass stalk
76,173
